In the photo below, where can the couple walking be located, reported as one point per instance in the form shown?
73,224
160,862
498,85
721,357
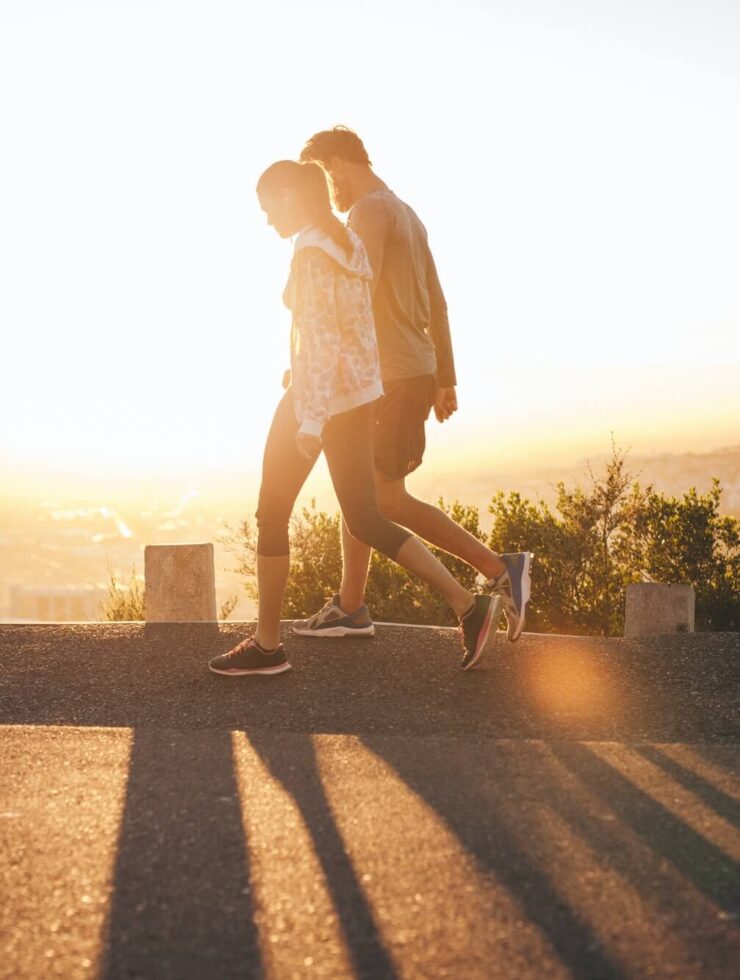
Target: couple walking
371,356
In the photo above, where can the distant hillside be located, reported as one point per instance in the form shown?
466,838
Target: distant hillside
671,473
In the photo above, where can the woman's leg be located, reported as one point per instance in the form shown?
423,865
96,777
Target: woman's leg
348,449
272,577
284,471
419,560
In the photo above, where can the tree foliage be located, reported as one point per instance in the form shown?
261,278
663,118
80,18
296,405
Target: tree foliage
588,547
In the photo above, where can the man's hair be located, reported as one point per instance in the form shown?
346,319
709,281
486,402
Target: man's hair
338,142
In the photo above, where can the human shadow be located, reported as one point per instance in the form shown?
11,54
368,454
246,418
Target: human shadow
712,871
619,850
472,815
712,752
181,905
298,773
723,804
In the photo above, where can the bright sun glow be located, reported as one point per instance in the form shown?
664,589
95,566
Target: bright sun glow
575,164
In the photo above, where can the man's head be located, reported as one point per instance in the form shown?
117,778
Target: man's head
344,158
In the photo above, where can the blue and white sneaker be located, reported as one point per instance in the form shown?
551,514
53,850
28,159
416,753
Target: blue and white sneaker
515,587
332,620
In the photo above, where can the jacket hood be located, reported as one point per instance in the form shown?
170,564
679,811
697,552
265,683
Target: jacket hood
357,263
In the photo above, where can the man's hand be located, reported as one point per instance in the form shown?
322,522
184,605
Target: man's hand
445,403
309,446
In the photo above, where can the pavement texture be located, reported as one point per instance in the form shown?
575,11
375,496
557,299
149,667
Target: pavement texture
568,809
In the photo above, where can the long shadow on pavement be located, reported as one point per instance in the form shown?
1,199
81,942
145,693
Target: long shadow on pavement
712,871
712,753
455,796
658,883
181,905
725,806
299,775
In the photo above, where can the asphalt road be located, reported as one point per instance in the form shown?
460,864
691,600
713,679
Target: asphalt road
570,809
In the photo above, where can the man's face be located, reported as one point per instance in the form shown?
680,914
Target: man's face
340,185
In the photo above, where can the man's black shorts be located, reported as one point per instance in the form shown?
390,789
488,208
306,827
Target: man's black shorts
399,437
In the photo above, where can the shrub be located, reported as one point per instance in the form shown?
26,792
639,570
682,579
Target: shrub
123,602
589,547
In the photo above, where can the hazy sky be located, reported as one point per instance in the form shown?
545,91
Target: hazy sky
575,162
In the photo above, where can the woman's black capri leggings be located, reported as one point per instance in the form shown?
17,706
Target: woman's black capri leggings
347,442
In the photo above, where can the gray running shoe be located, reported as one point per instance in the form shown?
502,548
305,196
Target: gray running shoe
478,627
515,587
332,620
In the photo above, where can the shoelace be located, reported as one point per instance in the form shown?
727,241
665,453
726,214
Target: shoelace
316,618
240,647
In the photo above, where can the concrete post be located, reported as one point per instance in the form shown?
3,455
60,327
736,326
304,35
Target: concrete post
179,583
654,608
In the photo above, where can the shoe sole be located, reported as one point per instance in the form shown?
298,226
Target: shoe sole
336,631
237,672
514,635
495,610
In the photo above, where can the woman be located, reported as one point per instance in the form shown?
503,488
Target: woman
335,379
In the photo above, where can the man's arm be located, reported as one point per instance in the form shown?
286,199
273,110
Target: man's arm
439,327
370,220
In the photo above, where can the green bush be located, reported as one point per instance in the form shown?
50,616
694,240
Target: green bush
594,542
688,540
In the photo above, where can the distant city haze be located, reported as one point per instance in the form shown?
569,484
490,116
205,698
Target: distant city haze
575,164
57,549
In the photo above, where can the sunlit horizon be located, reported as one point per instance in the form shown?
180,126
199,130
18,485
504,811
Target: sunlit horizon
575,165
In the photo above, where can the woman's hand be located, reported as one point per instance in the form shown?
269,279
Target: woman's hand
309,446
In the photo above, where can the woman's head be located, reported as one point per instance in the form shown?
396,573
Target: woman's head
294,195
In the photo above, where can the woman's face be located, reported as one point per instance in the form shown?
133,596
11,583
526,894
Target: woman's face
283,212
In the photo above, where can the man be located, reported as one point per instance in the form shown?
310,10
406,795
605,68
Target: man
418,374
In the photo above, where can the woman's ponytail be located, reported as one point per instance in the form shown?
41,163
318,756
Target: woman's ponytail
308,180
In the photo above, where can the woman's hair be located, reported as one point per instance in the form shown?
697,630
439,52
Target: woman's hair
308,181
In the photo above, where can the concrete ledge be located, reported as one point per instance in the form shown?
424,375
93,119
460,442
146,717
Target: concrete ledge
180,583
653,608
402,681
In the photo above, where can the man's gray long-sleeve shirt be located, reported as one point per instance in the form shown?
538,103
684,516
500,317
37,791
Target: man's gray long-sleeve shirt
408,302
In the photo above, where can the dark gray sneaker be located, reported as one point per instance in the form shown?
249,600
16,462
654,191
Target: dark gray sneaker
332,620
478,627
249,658
515,588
